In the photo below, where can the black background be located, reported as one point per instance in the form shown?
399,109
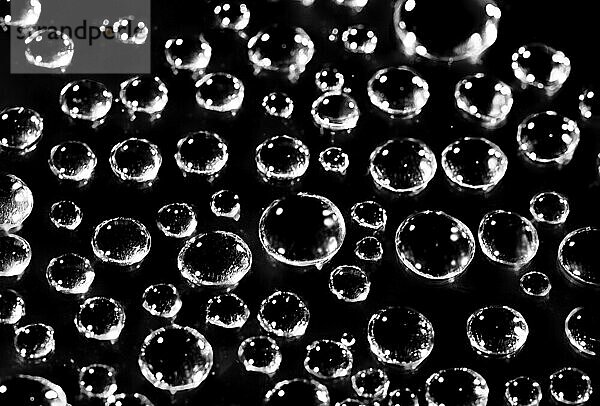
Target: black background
566,26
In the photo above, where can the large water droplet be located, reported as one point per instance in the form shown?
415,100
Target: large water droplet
359,39
570,386
31,390
227,310
398,91
85,100
97,381
66,215
100,318
34,341
484,99
16,202
349,283
549,208
278,104
144,94
577,256
456,387
541,67
220,92
497,331
327,359
335,111
177,220
284,314
334,160
70,273
371,383
20,13
201,153
72,161
582,327
282,158
15,255
135,160
535,283
12,307
20,128
162,300
226,203
49,48
188,53
260,354
121,241
522,391
297,392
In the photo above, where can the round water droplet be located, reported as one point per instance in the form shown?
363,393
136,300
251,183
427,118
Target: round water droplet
402,166
31,390
350,402
335,111
327,359
189,53
281,48
16,202
233,15
220,92
130,30
49,48
216,259
135,160
100,318
175,358
348,339
34,341
260,354
177,220
369,215
97,381
588,104
162,300
368,249
302,230
121,241
457,387
570,386
549,208
522,391
20,13
469,26
541,66
484,99
535,283
201,153
577,256
371,383
227,310
278,104
497,331
508,238
359,39
334,160
400,337
144,94
474,164
582,327
282,158
329,79
70,273
66,215
129,399
284,314
85,100
402,397
297,392
398,91
548,138
12,307
225,203
20,129
434,245
15,255
349,283
72,161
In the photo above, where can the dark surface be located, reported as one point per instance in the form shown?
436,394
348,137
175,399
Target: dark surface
565,26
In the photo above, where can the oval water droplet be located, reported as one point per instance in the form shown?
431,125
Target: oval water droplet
121,241
12,307
570,386
162,300
129,399
541,67
97,381
334,160
227,310
327,359
233,15
577,256
349,283
583,332
31,390
135,160
297,392
191,53
535,283
177,220
49,48
226,203
260,354
201,153
522,391
549,208
66,215
371,383
369,249
16,202
100,318
278,104
484,99
220,92
72,161
20,13
398,91
329,79
284,314
359,39
85,100
497,331
15,255
335,111
70,274
144,94
34,341
457,387
20,128
282,158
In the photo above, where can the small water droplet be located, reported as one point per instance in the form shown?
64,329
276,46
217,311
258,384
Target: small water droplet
15,255
34,341
97,381
282,158
177,220
130,30
402,397
588,104
369,249
72,161
85,100
522,391
535,283
188,53
581,329
100,318
162,300
541,67
334,160
348,339
49,48
121,241
335,111
220,92
278,104
144,94
327,359
284,314
227,310
70,274
457,387
549,208
398,91
66,215
297,392
21,129
359,39
135,160
226,203
16,202
329,79
12,307
369,215
570,386
349,283
497,331
201,153
233,15
260,354
484,99
371,383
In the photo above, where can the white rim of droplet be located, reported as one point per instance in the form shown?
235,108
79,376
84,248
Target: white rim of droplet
233,101
486,120
66,55
300,327
287,111
208,172
330,70
174,309
380,391
148,175
482,386
267,64
535,384
405,113
22,242
38,134
78,290
561,259
49,342
266,171
188,231
139,257
526,79
460,225
356,270
269,369
345,123
153,108
76,209
322,391
564,201
369,46
85,82
81,176
572,340
61,397
245,313
585,377
379,226
114,332
345,371
111,373
331,168
529,292
200,61
29,198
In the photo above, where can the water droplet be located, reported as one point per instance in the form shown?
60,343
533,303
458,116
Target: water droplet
335,111
31,390
162,300
484,99
402,397
434,245
260,354
371,383
577,256
354,5
175,358
497,331
226,203
130,30
278,104
522,391
398,91
15,255
144,94
126,399
21,129
282,158
97,381
369,249
70,274
66,215
475,164
549,208
20,13
34,341
121,241
85,100
284,314
16,202
548,138
581,328
350,402
227,310
220,92
348,339
329,79
72,161
297,392
100,318
334,160
456,387
327,359
588,104
535,283
541,66
402,166
359,39
12,307
302,230
369,215
349,283
508,238
177,220
201,153
570,386
49,48
135,160
469,26
233,15
400,337
189,53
